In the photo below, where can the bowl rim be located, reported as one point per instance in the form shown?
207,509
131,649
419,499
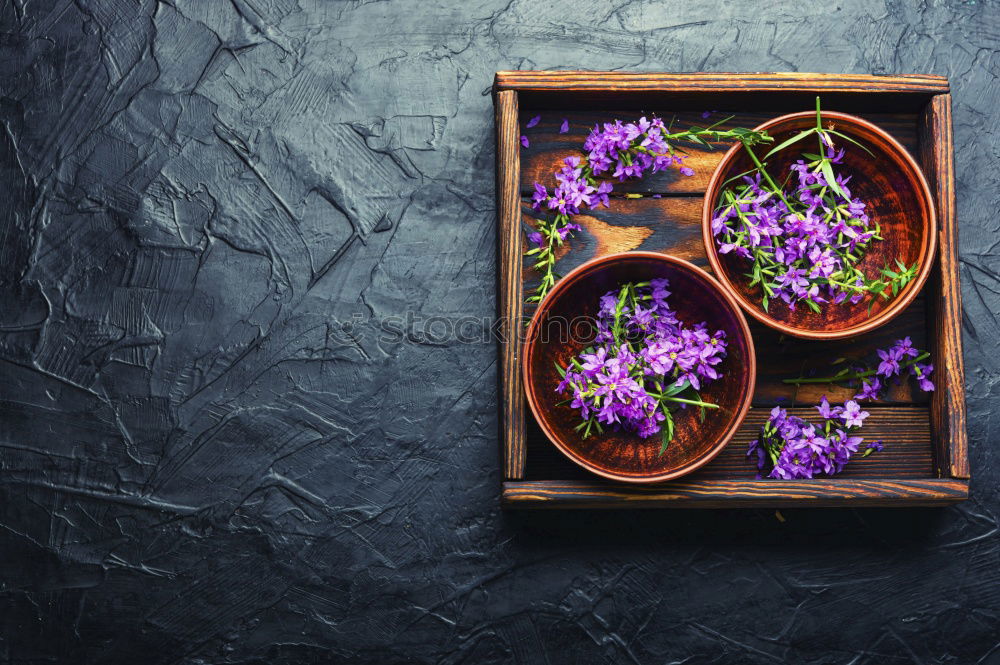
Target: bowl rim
895,307
709,280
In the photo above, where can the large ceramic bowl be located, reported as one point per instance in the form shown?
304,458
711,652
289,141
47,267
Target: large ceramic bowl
562,327
897,197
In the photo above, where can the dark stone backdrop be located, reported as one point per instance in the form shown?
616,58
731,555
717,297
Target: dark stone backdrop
200,464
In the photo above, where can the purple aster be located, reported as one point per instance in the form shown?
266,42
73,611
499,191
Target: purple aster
876,446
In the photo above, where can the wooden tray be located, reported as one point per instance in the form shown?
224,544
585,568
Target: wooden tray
925,461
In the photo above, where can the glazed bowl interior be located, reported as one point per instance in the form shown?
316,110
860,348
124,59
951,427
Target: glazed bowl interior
896,196
563,326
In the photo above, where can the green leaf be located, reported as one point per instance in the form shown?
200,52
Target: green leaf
784,144
675,389
845,136
831,180
667,433
813,306
559,369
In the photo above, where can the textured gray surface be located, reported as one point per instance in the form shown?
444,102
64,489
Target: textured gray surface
217,447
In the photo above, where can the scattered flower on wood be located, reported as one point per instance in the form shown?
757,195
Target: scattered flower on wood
872,379
620,151
789,447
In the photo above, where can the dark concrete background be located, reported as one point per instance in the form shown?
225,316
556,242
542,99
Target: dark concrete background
200,463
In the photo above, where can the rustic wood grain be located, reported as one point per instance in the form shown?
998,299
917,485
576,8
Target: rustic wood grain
548,148
717,82
672,225
511,297
735,493
904,430
948,402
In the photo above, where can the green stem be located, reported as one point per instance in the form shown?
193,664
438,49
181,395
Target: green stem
691,401
767,176
852,375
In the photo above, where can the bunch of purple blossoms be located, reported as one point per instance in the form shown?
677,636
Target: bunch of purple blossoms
789,447
618,150
644,362
805,243
895,362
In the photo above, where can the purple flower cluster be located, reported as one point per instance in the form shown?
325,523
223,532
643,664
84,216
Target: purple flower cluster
573,191
629,150
789,447
892,363
644,358
804,243
623,150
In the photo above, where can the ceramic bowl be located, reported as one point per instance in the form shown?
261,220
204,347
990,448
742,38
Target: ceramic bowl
562,327
896,195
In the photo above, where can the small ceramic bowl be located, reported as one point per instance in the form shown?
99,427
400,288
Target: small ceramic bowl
563,326
897,197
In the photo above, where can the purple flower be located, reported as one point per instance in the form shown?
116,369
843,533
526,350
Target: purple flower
686,170
564,127
524,141
827,412
540,196
566,229
536,238
889,365
904,348
852,415
794,462
870,389
534,121
922,372
603,188
876,446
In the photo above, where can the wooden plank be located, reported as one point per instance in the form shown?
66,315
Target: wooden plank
673,225
904,430
717,82
886,492
511,296
548,148
948,402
